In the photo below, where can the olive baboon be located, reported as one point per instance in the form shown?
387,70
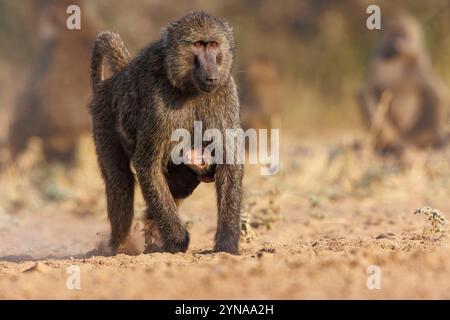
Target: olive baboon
184,178
49,106
415,112
181,78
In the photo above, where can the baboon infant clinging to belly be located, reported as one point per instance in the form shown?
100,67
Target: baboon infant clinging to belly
415,113
181,78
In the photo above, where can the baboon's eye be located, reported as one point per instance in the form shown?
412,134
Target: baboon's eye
198,44
213,44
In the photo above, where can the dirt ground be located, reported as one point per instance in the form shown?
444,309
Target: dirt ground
310,232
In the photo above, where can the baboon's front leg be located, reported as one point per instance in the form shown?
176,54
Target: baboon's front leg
161,205
229,197
151,232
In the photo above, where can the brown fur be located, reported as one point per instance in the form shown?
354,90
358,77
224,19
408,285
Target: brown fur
134,114
180,178
417,112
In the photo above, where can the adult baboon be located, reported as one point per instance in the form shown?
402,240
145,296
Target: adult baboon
50,106
182,179
415,110
181,78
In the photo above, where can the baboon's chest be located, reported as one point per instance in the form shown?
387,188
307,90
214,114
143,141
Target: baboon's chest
192,117
186,125
403,82
405,108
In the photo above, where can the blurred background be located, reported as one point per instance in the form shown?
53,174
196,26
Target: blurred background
311,54
299,64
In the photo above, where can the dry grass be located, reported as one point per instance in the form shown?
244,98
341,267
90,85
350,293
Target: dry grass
326,208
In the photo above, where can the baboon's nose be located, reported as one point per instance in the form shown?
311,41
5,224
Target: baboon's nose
212,77
211,80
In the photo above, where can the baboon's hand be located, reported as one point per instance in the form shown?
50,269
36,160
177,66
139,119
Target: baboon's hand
178,241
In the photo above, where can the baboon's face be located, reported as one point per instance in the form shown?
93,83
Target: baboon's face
401,39
199,52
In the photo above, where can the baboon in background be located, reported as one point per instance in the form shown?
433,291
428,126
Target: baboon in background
51,104
181,78
260,95
416,112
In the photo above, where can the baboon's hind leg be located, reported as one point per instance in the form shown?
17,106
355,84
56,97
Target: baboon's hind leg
119,184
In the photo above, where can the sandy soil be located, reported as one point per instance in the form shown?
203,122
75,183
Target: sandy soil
317,227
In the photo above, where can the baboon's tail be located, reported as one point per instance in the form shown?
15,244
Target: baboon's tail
110,45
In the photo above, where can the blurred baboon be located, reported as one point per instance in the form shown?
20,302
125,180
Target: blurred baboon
260,95
51,104
181,78
402,91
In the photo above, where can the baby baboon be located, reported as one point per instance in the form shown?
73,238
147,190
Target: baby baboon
415,112
203,166
182,179
50,104
181,78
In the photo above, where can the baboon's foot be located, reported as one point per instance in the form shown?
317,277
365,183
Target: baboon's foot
227,243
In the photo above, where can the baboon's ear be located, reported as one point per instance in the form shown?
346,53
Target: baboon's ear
228,28
230,36
164,33
167,32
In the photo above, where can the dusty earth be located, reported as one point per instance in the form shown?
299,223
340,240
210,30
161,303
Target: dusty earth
309,232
